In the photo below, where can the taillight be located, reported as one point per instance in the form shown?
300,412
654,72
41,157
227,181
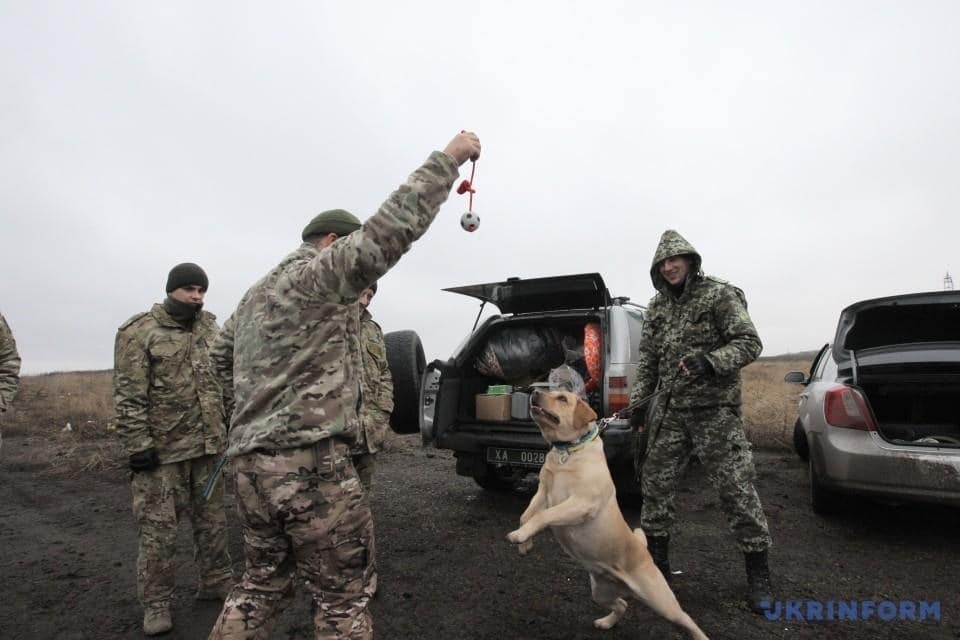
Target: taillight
618,393
846,407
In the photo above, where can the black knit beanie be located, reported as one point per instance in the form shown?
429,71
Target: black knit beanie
186,274
336,221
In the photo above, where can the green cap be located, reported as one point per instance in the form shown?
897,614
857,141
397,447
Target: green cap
336,221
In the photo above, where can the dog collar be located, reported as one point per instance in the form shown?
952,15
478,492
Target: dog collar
566,448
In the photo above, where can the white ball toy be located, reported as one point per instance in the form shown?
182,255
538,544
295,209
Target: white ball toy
470,221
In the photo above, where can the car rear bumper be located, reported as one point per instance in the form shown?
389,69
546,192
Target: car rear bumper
477,438
862,462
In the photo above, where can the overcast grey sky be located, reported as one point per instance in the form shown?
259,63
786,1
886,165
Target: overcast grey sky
808,149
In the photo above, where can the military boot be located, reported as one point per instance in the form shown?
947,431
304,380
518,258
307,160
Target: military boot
659,547
758,580
156,619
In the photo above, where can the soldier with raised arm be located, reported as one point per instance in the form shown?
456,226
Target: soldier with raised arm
291,352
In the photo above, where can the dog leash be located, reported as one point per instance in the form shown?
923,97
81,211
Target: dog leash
627,410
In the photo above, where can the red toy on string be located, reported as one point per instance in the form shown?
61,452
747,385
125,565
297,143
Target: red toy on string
470,221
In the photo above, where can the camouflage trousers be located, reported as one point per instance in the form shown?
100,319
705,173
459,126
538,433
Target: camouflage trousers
364,463
160,497
715,435
304,513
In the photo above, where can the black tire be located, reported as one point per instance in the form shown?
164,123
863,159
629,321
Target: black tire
800,444
498,480
407,364
822,500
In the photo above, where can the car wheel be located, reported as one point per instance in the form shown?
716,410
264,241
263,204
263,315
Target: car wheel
407,363
800,444
491,480
822,500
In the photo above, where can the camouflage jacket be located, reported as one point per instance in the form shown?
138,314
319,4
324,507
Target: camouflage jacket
291,350
708,317
9,366
377,384
166,392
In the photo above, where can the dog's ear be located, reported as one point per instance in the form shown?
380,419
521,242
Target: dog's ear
583,414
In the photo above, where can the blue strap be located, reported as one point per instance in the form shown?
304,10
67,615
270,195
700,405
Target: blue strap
213,478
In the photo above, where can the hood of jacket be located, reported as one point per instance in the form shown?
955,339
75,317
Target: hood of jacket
673,244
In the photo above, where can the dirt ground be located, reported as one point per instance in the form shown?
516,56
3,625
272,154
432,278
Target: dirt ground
67,556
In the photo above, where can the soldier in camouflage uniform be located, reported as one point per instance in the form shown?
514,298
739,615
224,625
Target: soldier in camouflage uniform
291,353
377,387
9,368
170,419
375,409
696,337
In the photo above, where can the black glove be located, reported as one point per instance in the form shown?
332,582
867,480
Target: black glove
697,365
637,417
144,460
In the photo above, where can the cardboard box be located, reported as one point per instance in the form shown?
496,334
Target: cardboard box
493,407
520,406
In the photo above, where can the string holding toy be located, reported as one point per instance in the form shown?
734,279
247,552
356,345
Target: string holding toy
470,221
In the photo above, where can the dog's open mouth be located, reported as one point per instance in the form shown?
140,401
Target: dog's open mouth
537,411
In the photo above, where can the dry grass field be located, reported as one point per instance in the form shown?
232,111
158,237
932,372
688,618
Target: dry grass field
73,413
769,403
48,403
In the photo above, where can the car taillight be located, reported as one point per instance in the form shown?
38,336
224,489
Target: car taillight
618,393
846,407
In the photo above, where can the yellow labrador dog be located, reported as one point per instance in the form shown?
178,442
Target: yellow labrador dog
577,500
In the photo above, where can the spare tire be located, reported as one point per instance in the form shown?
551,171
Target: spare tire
407,363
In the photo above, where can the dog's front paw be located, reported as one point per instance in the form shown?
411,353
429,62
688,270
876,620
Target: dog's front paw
519,538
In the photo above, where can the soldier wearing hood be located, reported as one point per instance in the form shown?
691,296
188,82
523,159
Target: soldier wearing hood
170,420
696,338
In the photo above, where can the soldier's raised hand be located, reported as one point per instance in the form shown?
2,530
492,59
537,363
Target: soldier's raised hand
464,146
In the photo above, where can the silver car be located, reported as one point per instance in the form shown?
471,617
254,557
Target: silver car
879,414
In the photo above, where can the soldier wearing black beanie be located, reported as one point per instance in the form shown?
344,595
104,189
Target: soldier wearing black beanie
186,274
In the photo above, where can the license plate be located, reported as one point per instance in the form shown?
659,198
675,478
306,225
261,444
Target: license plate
521,457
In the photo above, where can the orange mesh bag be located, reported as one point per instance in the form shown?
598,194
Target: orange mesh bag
591,354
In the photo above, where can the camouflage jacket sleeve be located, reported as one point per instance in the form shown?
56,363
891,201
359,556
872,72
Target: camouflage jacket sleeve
221,357
741,341
131,391
648,363
350,264
9,366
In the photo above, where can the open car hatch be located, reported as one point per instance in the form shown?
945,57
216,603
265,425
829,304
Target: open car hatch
531,295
